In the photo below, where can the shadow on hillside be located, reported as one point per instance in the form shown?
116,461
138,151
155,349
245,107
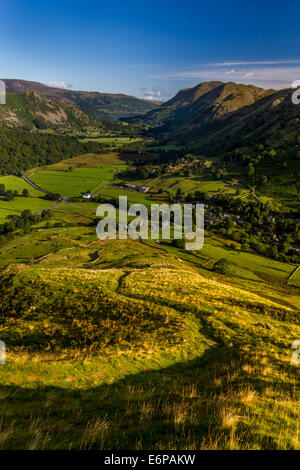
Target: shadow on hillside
177,407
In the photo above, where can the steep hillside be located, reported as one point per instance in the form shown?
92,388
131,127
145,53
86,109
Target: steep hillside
36,111
217,117
102,106
205,102
273,119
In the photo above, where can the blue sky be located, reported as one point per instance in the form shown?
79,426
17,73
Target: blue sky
150,48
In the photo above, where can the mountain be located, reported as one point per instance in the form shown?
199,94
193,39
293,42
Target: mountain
102,106
216,116
273,120
206,101
33,110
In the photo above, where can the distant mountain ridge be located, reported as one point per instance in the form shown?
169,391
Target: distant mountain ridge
32,110
101,106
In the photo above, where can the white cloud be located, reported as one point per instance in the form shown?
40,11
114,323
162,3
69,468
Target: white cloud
62,85
154,94
275,74
257,62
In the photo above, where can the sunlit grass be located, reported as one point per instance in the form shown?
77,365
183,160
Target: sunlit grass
217,381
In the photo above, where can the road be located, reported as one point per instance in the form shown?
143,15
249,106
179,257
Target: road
64,199
32,183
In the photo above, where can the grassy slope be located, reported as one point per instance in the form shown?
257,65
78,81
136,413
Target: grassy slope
133,345
132,348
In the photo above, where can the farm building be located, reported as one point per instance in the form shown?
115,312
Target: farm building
132,187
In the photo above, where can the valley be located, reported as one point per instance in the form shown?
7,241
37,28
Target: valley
141,344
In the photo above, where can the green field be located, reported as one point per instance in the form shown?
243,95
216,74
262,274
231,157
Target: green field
115,141
78,181
243,265
216,248
133,196
19,204
18,184
76,212
172,183
90,160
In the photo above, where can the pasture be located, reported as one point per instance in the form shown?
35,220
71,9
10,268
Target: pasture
171,183
90,160
115,141
75,212
133,196
243,264
14,183
78,181
19,204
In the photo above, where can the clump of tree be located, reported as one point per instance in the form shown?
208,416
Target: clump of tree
222,266
52,196
21,224
23,150
10,194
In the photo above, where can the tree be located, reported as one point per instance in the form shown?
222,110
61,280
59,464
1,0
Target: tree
9,196
222,266
26,213
178,243
250,170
